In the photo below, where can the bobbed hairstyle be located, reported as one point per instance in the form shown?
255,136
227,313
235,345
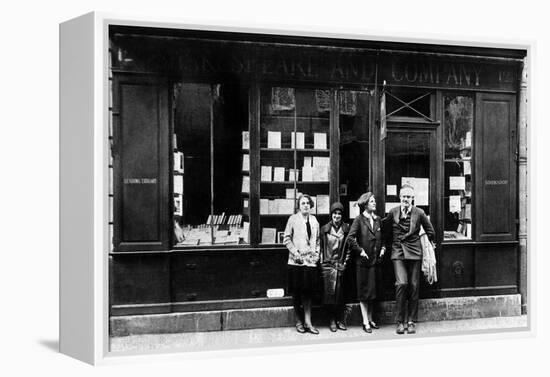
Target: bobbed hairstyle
363,200
311,204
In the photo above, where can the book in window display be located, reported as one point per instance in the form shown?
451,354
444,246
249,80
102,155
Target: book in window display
297,140
293,175
269,235
245,189
246,163
274,140
246,140
278,174
320,140
266,173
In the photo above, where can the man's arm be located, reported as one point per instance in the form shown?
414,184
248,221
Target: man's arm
428,228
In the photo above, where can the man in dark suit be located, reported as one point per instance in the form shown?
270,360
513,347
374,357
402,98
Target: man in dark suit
402,234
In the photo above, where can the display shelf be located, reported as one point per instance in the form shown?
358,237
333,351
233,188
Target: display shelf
301,150
292,117
288,141
297,182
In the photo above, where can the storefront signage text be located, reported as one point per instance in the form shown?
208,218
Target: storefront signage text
341,67
492,182
140,181
438,74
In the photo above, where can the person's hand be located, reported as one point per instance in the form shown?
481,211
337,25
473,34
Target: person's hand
298,257
363,254
382,252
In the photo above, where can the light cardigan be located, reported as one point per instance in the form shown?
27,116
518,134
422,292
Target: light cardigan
296,240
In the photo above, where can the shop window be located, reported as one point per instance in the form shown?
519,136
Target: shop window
354,164
294,155
210,165
459,118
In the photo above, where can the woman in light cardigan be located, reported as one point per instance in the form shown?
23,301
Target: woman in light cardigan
302,240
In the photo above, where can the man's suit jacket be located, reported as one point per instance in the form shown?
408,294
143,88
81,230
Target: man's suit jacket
407,246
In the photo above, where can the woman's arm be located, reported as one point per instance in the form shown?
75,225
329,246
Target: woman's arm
289,233
354,230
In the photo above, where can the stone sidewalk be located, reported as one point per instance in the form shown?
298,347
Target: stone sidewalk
215,340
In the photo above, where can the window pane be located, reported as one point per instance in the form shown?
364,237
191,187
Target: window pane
408,161
408,103
230,164
354,149
459,114
294,155
209,121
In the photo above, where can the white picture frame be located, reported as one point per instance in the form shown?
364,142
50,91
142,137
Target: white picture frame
84,327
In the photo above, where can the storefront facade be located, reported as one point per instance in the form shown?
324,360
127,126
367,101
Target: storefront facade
213,135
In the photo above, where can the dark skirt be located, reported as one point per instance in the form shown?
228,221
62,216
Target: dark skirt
303,280
333,285
366,281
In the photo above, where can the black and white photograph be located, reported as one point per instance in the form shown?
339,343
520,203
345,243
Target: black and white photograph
303,188
426,141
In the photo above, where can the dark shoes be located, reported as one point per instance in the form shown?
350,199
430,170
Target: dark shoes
367,329
411,328
300,328
341,325
374,325
400,328
311,330
332,326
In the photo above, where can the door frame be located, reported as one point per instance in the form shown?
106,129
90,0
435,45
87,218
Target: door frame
431,129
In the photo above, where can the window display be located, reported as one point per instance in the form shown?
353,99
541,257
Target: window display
210,127
459,118
294,155
354,164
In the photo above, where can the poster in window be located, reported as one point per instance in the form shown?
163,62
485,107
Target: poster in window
457,183
348,102
282,99
322,99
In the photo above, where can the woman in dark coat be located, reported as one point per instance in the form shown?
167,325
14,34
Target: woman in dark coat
333,262
365,243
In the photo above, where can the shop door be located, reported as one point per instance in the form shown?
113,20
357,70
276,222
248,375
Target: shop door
410,158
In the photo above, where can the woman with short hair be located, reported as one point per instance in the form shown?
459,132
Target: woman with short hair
333,264
301,238
365,242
